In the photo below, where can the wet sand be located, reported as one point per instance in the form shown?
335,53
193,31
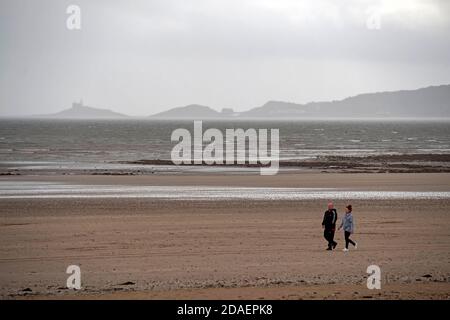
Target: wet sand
381,163
354,181
160,249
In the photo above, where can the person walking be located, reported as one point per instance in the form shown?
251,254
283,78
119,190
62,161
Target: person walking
329,225
348,225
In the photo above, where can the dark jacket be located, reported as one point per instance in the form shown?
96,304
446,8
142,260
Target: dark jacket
329,219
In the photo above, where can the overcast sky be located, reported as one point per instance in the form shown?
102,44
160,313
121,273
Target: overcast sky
144,56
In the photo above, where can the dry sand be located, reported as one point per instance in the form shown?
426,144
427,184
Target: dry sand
157,249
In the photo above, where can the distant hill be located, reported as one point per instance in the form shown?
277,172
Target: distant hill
191,111
422,103
430,102
79,111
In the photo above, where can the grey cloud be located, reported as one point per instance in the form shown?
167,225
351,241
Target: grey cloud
141,57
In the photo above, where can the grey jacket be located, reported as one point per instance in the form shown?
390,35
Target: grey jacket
347,223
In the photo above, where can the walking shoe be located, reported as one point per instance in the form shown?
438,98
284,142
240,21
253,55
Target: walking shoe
329,249
356,245
345,249
334,245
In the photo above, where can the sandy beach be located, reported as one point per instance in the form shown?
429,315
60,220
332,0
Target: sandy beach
183,150
150,248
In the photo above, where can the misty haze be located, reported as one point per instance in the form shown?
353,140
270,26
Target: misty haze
225,149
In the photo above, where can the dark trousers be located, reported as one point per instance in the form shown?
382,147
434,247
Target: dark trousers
347,239
329,236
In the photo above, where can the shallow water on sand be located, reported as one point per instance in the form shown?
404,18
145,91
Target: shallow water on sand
52,190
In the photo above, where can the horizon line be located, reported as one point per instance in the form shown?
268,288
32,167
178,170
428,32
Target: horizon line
52,115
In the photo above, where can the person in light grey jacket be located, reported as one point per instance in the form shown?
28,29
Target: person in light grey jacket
349,227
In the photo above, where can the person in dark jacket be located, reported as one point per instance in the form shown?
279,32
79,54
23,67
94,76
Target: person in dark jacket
329,226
